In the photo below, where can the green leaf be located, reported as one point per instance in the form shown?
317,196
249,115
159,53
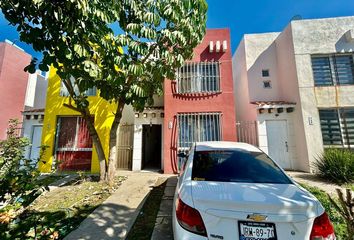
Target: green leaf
38,2
56,15
43,67
30,68
139,91
79,49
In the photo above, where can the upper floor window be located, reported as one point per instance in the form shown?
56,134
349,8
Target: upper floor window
265,73
65,93
198,77
337,126
333,70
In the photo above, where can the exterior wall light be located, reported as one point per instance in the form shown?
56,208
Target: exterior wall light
145,115
137,115
170,125
153,115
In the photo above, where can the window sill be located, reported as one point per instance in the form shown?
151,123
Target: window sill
198,94
341,85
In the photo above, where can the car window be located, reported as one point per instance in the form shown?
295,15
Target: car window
236,166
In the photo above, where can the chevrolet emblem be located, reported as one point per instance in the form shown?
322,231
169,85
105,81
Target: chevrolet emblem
257,217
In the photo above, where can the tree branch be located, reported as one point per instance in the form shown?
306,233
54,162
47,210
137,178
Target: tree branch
72,107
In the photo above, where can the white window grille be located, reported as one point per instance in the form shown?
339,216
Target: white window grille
198,77
197,127
72,135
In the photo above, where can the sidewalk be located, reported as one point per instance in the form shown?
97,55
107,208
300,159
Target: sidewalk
163,224
114,218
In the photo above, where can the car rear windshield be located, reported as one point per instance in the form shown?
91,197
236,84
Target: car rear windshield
236,166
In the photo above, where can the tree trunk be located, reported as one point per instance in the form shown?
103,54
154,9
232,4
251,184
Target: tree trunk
85,113
95,139
97,143
112,161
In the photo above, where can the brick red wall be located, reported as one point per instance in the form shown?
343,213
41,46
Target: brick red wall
223,102
13,84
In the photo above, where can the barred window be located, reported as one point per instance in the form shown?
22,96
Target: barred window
73,144
333,69
347,121
198,77
322,71
65,93
344,69
337,126
197,127
330,127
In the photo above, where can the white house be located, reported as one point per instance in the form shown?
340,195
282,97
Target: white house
33,113
298,87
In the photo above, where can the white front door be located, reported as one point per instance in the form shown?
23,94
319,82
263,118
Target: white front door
36,142
278,144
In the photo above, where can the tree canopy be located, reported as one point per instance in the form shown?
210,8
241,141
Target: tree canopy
77,37
125,48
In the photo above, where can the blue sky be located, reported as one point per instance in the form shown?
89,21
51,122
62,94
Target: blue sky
258,16
243,16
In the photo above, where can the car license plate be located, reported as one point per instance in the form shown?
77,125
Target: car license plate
256,231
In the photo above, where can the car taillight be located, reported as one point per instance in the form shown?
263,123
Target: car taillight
322,228
189,218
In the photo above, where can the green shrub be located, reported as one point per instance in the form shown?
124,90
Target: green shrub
345,207
18,177
20,184
336,165
337,220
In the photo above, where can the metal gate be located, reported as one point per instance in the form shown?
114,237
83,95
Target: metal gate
125,147
247,132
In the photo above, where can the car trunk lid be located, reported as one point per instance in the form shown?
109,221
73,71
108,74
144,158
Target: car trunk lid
279,202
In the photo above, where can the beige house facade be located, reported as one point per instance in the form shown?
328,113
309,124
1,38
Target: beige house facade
297,86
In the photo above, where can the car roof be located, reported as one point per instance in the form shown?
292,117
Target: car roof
224,145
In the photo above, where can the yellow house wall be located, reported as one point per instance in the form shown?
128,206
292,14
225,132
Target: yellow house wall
100,108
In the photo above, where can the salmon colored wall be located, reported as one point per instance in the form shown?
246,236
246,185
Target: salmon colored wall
222,102
101,109
13,84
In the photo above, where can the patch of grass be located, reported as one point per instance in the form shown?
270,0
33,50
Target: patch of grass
145,222
48,179
350,186
71,196
336,218
55,214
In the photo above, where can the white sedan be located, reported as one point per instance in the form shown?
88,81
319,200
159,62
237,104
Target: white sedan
230,191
